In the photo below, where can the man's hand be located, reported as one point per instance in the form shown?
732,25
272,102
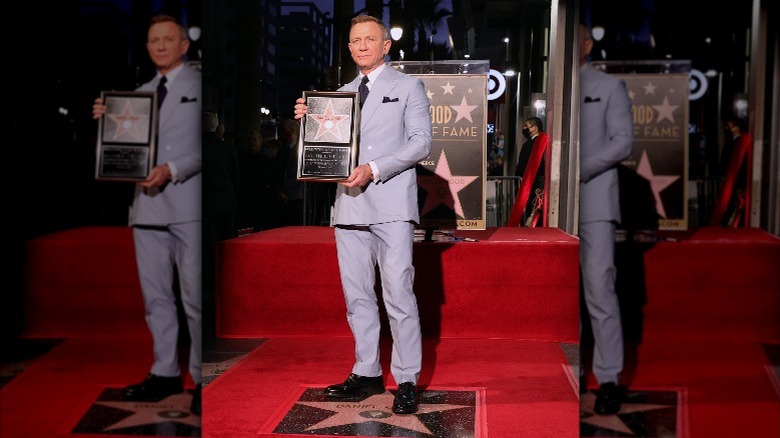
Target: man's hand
158,176
300,108
359,177
98,109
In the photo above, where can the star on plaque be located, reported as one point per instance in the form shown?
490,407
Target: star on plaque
464,110
430,94
665,110
657,182
332,124
438,195
175,408
650,88
128,124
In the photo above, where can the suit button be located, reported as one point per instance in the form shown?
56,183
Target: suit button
167,147
370,147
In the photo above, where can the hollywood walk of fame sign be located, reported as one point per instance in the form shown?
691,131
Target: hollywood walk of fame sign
660,155
328,146
452,178
127,136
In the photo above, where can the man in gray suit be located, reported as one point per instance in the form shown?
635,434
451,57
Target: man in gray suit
166,214
375,214
606,135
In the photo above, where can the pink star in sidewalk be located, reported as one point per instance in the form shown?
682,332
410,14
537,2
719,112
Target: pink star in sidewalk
657,182
437,194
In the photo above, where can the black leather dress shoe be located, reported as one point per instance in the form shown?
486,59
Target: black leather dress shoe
608,399
196,400
356,385
154,388
405,401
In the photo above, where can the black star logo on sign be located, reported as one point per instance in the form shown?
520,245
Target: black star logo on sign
442,413
642,414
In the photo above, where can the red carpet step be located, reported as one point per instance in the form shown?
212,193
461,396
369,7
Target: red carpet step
719,283
518,283
82,282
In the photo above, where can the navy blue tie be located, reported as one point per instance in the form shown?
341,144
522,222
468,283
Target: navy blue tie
363,90
162,90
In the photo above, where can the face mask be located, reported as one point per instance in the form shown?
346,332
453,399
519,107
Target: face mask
527,133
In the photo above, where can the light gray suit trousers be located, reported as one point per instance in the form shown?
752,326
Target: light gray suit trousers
606,136
167,227
375,224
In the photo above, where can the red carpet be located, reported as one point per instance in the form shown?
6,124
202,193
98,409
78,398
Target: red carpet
720,283
517,283
527,390
728,391
50,397
82,282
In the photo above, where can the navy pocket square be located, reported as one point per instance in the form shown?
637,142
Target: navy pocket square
185,99
386,99
589,99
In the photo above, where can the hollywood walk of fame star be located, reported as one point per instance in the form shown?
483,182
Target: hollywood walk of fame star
127,122
436,195
174,408
375,408
665,110
464,110
650,88
217,368
329,123
430,94
447,88
614,422
657,182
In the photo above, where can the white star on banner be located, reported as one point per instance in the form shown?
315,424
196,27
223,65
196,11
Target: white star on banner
665,110
464,110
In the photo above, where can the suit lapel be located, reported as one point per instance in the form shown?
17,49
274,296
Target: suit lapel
589,84
384,84
175,93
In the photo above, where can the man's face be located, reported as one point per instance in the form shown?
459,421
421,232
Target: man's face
585,44
166,45
367,46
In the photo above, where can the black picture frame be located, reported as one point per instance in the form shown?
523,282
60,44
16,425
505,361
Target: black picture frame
127,136
329,137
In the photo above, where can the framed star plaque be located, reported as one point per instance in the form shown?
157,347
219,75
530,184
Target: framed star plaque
127,136
328,144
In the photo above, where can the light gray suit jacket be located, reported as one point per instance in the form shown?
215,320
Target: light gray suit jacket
178,141
606,138
395,133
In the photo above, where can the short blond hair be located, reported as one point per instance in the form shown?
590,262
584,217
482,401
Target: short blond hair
162,18
363,18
